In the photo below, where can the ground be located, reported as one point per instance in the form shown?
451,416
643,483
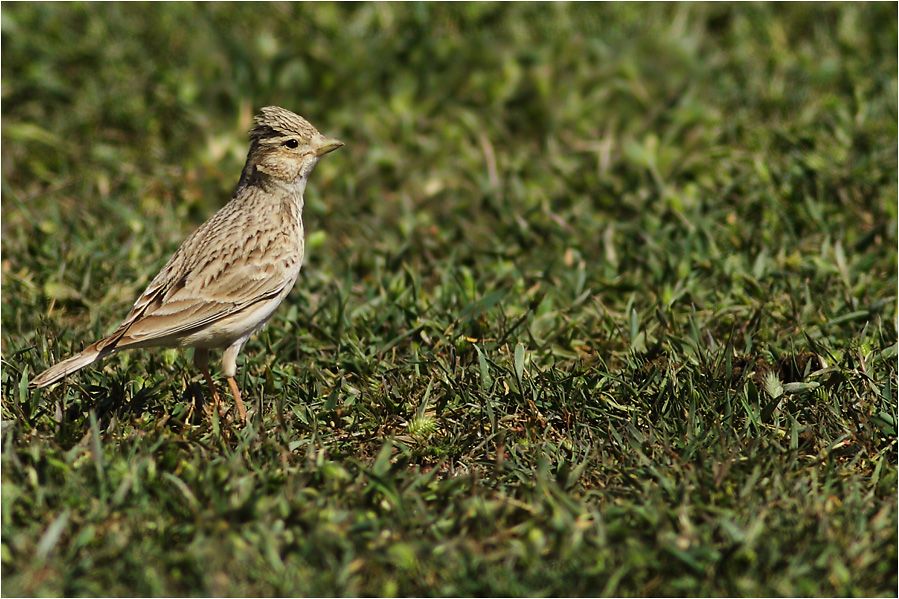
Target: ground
598,300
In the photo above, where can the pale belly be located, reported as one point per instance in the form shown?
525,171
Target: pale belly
241,325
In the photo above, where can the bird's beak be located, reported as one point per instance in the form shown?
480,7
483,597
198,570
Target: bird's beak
327,145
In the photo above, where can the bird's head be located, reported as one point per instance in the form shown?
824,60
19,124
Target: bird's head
284,146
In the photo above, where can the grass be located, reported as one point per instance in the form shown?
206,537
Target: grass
598,300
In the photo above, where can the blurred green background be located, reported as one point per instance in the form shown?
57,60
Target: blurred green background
598,299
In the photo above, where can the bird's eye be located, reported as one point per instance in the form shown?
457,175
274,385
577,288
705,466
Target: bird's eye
292,143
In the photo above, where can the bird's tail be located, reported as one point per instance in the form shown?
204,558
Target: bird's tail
91,354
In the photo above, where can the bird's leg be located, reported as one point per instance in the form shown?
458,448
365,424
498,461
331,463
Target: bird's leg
201,359
235,391
229,369
212,390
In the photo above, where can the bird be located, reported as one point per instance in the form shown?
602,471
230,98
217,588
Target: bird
227,278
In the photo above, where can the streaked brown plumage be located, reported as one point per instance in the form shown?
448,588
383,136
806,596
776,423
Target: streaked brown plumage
229,275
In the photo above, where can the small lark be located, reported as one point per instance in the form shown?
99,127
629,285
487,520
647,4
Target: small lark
227,278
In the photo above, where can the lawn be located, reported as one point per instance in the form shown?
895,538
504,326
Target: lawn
598,300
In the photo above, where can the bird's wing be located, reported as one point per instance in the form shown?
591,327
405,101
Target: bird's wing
202,284
193,307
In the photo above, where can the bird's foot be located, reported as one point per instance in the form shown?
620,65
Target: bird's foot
235,391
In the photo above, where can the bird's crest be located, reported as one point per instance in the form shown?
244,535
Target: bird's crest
274,122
